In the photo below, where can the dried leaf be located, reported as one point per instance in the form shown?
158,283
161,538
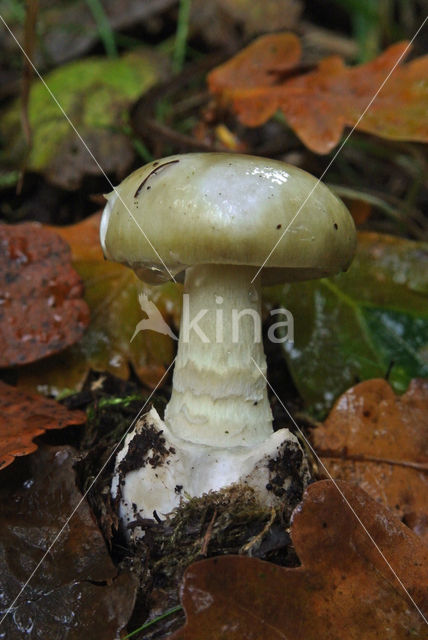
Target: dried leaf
24,416
379,441
318,105
370,322
76,592
344,586
41,306
111,291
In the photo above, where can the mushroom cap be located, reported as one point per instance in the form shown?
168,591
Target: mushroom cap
223,208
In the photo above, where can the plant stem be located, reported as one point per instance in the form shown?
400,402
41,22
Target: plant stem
104,28
151,622
180,44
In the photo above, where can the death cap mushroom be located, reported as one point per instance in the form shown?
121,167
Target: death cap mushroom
219,218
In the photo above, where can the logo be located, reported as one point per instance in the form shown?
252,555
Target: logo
154,320
278,332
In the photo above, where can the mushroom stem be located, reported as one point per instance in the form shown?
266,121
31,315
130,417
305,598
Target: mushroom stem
219,397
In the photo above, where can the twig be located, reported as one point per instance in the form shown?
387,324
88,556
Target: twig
247,548
208,534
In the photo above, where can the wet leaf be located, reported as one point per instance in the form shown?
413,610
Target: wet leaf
95,94
370,322
24,416
111,291
41,306
318,105
343,583
77,591
379,441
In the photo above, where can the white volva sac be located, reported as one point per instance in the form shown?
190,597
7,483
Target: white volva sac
216,217
192,469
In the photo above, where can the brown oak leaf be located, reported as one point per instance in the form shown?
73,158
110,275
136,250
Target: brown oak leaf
379,440
318,105
344,588
23,416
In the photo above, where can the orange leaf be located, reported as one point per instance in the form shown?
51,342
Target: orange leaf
24,416
379,441
344,588
320,104
259,64
83,239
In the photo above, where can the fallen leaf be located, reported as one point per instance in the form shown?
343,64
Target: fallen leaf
379,441
370,322
111,292
318,105
257,65
41,306
95,93
24,416
344,587
217,21
76,592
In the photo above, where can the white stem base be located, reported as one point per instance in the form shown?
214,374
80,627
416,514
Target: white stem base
169,468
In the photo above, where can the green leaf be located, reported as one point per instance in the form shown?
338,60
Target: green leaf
371,322
95,93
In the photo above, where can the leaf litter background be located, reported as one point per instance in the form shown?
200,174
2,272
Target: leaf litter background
24,416
368,324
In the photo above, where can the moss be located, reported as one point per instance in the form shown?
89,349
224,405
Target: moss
231,521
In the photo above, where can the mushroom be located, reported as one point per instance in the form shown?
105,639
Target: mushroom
218,218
